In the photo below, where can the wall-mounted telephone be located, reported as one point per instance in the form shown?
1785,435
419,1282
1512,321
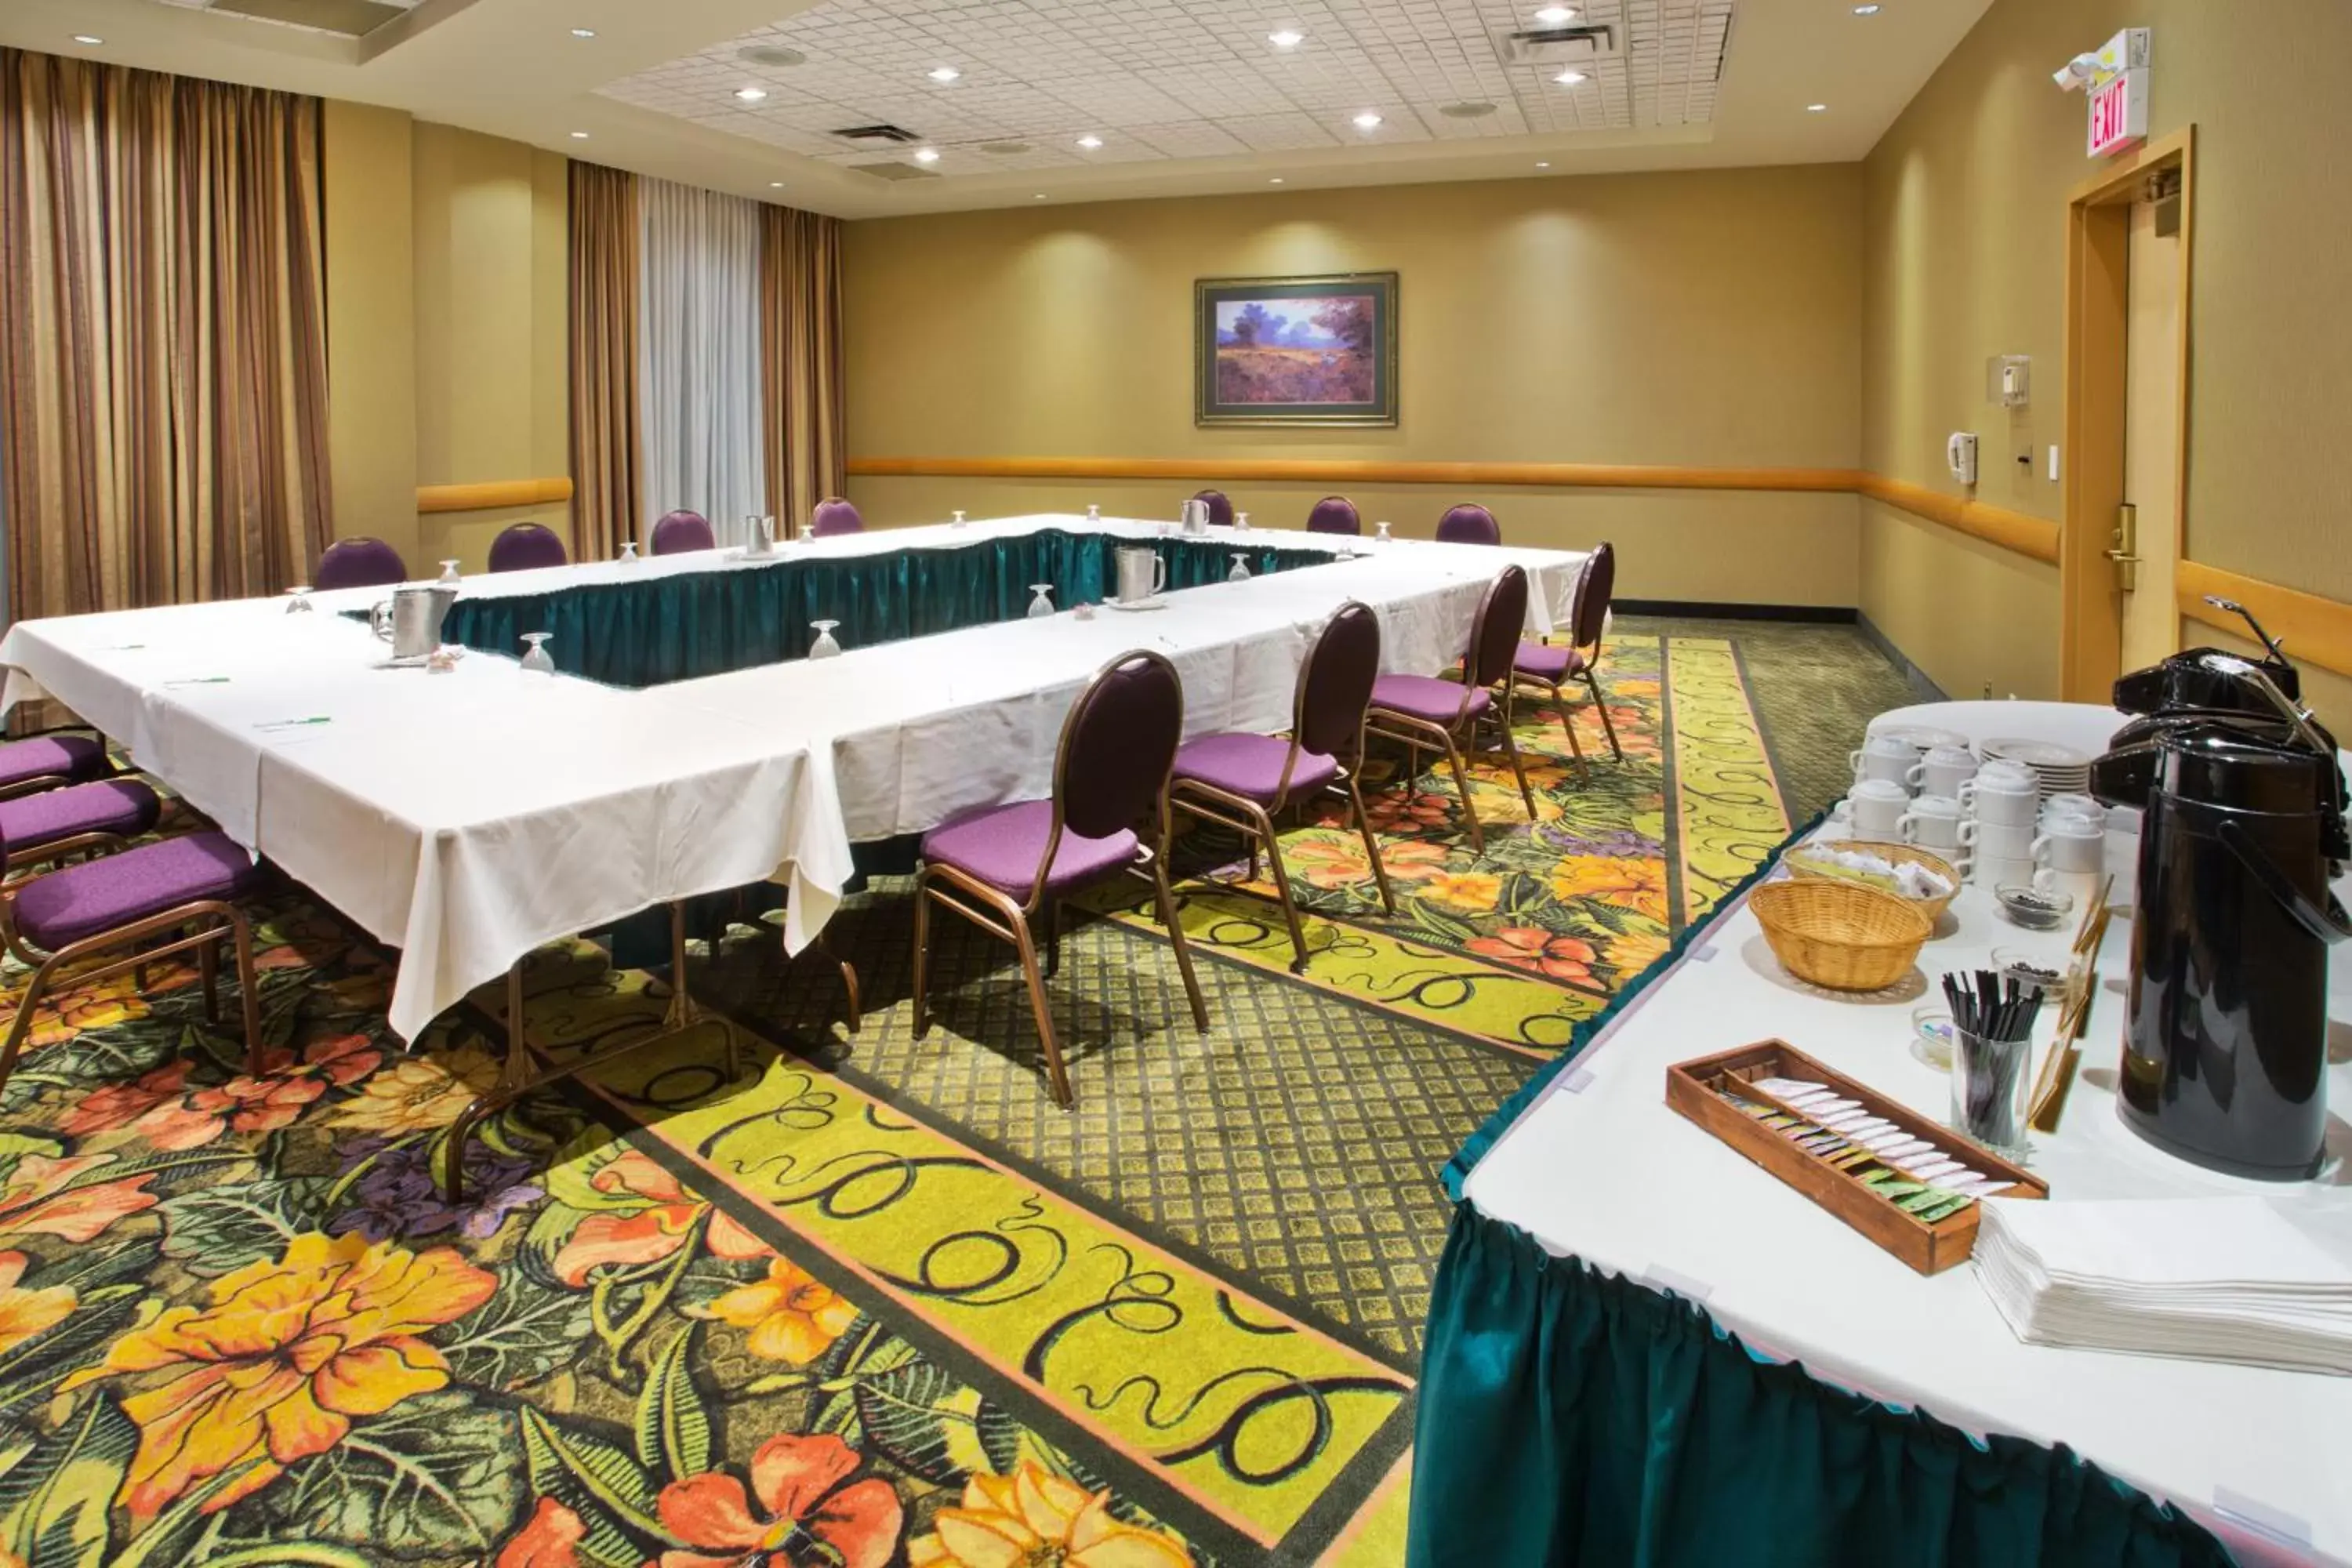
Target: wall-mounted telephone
1961,452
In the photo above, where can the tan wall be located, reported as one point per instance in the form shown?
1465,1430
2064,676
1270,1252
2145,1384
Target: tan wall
371,324
446,285
1699,319
1966,198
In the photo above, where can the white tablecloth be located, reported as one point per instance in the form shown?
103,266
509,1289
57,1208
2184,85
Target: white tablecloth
1602,1170
468,818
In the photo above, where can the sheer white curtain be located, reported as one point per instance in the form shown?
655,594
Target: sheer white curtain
699,355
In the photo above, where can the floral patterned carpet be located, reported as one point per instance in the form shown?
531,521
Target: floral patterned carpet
871,1302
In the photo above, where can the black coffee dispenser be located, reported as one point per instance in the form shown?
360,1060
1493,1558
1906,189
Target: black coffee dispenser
2241,829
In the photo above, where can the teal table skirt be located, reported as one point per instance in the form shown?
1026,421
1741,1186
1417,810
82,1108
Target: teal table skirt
1570,1418
686,626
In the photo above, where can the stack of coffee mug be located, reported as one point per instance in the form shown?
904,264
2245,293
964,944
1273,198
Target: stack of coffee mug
1989,820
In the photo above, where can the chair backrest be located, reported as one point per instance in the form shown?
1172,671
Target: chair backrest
1220,511
1469,525
1495,630
1335,684
358,563
1588,614
835,515
1118,745
526,546
680,531
1334,514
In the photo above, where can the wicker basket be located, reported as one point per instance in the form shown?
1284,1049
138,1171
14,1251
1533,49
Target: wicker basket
1841,935
1894,855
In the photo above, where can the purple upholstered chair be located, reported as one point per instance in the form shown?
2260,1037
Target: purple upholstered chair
1001,868
679,531
1240,780
1424,710
526,547
1545,664
1220,511
1469,525
45,762
1335,514
835,515
358,563
184,886
79,819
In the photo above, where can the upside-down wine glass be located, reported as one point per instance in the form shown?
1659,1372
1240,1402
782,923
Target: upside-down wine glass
536,660
449,571
297,598
824,646
1241,572
1043,605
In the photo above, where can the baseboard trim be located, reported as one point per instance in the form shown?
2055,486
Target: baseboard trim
1705,610
1928,691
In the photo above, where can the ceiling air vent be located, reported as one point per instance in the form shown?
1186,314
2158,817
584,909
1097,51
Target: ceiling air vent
873,135
892,171
771,55
1007,149
1558,47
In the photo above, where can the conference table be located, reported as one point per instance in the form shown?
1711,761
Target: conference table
468,817
1606,1251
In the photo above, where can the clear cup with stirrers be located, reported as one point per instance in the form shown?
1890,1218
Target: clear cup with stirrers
297,599
449,571
535,659
1992,1052
823,647
1241,572
1043,605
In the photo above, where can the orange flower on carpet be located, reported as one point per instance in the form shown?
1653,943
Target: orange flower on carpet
652,1220
1465,890
418,1093
788,1316
1328,862
1631,883
1033,1518
1413,860
92,1005
120,1105
282,1357
551,1540
1635,950
38,1196
1407,811
153,1107
805,1513
23,1313
1563,958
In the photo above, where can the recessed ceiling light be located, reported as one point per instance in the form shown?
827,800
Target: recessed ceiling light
943,73
580,136
1089,142
750,94
88,38
1287,39
1039,197
1866,10
1543,165
775,185
1275,181
583,32
1817,108
1568,78
1368,120
1555,15
927,154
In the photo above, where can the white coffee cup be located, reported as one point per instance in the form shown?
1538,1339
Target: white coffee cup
2000,870
1998,840
2071,844
1874,809
1932,823
1943,770
2076,805
2080,886
1992,797
1884,757
2002,769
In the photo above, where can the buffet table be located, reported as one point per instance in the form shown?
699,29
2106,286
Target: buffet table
465,817
1644,1350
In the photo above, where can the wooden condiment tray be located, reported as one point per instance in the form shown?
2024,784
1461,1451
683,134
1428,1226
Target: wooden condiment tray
1691,1091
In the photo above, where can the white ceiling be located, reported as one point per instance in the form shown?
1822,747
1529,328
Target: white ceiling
1188,96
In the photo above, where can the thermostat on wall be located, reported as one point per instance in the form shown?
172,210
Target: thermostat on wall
2009,380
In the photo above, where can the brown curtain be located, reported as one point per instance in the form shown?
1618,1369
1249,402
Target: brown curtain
162,337
606,445
800,360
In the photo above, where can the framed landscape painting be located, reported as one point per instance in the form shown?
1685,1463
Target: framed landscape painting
1295,350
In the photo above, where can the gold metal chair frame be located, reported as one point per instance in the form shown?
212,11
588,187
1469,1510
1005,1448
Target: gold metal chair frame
996,913
1255,821
1416,732
1567,722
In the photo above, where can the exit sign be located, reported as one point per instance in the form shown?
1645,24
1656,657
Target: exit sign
2119,112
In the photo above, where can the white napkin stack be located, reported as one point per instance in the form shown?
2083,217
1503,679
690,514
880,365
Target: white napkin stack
2209,1278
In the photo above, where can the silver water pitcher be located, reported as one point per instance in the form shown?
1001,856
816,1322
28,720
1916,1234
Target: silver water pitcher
1196,518
410,621
1141,575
